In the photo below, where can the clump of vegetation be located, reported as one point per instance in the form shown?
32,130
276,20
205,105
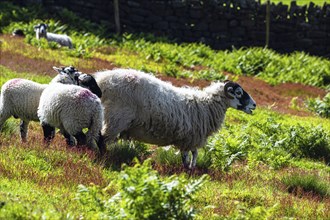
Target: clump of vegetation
320,106
143,194
273,139
10,13
125,151
298,183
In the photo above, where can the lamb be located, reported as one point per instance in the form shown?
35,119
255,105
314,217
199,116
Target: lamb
71,109
41,31
142,107
18,33
20,97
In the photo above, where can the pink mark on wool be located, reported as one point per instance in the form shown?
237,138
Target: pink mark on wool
14,82
86,94
131,77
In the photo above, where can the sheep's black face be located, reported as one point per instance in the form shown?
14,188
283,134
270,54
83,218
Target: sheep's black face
18,32
88,81
70,73
41,29
238,98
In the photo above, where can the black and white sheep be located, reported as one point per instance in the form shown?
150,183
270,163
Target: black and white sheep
20,97
142,107
71,108
62,39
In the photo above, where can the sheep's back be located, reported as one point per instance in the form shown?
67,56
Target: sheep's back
64,79
163,114
21,98
62,39
68,104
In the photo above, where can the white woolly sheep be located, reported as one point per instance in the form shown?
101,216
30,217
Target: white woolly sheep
71,108
20,97
142,107
41,31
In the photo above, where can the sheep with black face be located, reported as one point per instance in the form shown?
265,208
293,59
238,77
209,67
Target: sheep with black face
142,107
62,39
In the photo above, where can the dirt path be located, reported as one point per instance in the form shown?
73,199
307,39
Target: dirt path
277,97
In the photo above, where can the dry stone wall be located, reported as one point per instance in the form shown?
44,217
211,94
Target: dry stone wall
221,24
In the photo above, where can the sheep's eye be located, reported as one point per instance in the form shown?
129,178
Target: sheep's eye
238,92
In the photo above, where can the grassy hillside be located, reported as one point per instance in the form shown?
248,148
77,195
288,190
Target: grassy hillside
268,165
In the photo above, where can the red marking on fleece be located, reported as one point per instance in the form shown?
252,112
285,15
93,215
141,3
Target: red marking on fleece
131,77
86,94
14,82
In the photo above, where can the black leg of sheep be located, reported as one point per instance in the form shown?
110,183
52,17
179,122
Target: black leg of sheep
81,139
69,139
23,129
102,146
49,132
187,163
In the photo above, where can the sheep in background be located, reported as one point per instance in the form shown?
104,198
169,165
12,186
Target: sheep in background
18,33
71,108
142,107
20,97
41,31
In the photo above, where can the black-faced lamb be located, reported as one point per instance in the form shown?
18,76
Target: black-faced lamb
71,108
142,107
88,81
18,33
62,39
20,97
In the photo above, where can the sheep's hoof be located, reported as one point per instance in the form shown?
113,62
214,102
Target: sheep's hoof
102,149
189,169
186,166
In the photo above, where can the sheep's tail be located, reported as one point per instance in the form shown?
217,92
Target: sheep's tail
95,128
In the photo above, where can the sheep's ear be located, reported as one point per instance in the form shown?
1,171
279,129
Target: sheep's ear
58,70
229,89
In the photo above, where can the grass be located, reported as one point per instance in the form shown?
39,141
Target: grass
147,53
321,107
194,61
7,74
39,182
42,190
300,184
